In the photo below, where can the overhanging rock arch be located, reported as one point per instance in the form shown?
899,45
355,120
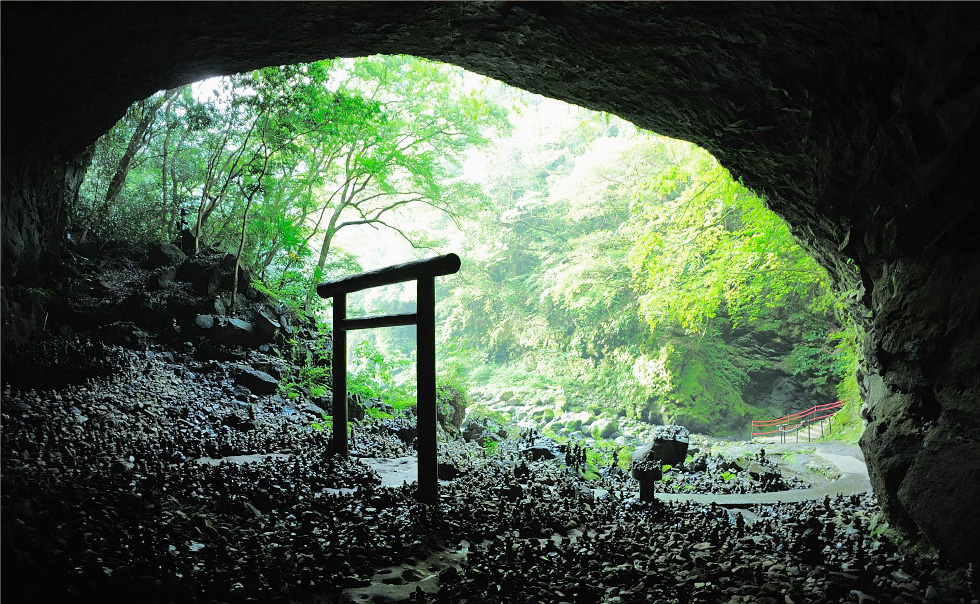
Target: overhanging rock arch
858,121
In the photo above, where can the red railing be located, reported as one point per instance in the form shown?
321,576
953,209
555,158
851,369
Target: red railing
795,421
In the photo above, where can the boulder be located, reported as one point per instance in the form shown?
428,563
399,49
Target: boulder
257,382
578,421
273,366
403,430
761,472
605,428
451,408
238,332
191,268
473,431
207,283
287,328
146,312
161,278
543,414
669,446
163,254
317,411
355,410
267,323
204,321
480,430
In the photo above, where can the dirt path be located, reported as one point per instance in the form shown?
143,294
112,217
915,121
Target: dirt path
845,457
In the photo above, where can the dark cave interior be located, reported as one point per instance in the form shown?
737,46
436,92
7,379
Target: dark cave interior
857,121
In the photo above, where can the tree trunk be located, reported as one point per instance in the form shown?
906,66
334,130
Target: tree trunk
136,142
234,168
325,249
163,170
238,257
318,271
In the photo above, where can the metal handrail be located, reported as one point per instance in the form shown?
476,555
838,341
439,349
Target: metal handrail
789,424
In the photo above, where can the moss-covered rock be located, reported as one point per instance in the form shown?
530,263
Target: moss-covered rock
604,428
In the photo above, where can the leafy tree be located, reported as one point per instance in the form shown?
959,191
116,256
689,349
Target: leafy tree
272,164
614,266
409,153
619,266
140,118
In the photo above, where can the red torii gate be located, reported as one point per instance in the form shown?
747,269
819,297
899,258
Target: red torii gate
424,273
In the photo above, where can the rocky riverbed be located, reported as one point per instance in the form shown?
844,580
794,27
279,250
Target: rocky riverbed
161,466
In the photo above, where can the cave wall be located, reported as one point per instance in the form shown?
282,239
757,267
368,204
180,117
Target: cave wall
857,121
36,197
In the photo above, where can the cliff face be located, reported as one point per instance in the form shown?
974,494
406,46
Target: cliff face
858,122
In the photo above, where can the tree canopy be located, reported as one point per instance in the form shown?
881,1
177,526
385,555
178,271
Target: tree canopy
626,270
276,162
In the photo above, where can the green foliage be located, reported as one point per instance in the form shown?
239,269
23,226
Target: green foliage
618,266
377,414
480,412
490,446
451,402
325,425
309,368
612,265
728,476
602,453
370,374
285,157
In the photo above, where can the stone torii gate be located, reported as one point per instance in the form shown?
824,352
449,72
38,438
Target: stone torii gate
424,273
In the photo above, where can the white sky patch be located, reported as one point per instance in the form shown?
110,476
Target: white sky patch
207,90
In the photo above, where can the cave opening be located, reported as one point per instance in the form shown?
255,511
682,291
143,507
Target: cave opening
557,166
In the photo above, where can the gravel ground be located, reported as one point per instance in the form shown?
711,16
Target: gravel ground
104,494
150,474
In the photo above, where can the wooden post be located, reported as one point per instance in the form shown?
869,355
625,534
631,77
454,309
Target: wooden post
426,411
339,368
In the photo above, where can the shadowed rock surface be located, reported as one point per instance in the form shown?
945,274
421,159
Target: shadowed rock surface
857,121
